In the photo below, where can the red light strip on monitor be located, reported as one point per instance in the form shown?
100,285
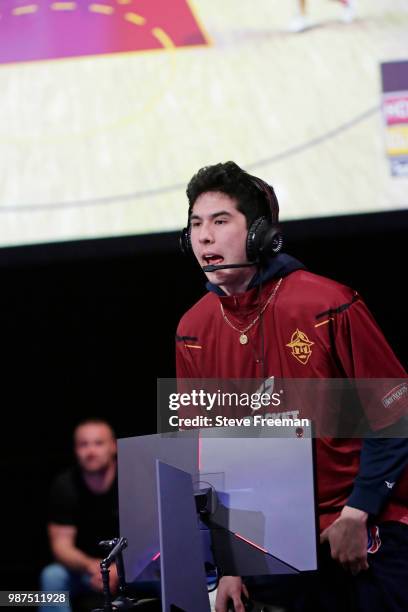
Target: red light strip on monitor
251,543
156,556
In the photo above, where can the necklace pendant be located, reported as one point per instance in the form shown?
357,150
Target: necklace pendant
243,339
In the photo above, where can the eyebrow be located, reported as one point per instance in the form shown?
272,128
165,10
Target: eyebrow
213,216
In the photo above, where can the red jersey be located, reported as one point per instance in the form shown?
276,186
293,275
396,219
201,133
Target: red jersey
312,328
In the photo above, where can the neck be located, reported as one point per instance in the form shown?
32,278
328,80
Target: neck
101,481
240,283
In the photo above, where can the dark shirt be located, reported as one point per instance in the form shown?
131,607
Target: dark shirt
95,515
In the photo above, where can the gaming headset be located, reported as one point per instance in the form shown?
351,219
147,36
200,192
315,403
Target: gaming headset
264,239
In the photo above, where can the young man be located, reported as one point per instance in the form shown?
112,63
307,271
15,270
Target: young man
274,318
83,511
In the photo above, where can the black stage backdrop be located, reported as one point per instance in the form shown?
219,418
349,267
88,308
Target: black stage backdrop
88,327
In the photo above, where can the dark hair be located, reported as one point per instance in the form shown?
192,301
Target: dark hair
95,421
229,178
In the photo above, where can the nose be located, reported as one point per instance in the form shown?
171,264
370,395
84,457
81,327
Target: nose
205,235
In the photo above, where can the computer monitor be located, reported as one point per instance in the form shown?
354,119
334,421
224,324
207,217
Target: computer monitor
138,495
264,521
183,579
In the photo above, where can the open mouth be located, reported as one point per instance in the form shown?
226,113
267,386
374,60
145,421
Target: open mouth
213,259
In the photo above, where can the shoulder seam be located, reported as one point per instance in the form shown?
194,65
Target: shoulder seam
340,309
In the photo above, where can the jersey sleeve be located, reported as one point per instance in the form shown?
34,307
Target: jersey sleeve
382,462
184,366
187,376
365,354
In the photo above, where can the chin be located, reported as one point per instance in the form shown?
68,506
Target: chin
218,277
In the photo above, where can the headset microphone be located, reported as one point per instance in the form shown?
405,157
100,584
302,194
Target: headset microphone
214,268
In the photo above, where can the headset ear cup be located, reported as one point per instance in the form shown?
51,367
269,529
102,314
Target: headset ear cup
256,233
263,240
185,242
273,241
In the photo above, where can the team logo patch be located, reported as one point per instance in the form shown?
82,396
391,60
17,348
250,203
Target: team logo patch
395,395
300,345
374,541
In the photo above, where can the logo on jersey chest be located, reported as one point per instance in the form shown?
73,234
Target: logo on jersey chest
301,346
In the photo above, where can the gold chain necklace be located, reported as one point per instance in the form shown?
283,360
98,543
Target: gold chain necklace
243,338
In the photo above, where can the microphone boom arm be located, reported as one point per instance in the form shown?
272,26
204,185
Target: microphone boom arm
214,268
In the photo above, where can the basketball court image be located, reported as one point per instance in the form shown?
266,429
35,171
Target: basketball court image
158,434
120,102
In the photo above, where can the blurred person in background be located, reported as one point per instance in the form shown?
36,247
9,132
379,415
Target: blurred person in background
302,22
83,511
